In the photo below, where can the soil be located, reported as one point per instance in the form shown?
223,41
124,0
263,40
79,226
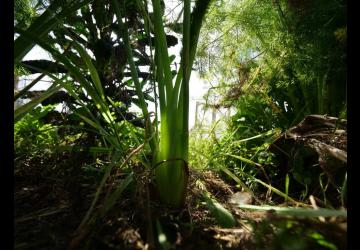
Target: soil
53,194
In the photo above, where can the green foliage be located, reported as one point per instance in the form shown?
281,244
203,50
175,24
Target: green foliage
201,151
245,156
292,56
32,137
20,71
23,12
273,62
247,122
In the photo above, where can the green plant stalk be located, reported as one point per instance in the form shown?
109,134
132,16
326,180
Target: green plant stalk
171,170
170,150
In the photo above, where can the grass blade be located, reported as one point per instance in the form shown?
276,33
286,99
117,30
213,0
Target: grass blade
287,181
299,212
93,72
222,216
110,201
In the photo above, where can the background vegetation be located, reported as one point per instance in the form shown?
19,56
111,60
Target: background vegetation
289,61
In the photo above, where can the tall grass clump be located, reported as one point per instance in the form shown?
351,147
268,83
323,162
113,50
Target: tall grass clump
170,145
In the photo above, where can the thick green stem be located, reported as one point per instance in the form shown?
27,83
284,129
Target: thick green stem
171,164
